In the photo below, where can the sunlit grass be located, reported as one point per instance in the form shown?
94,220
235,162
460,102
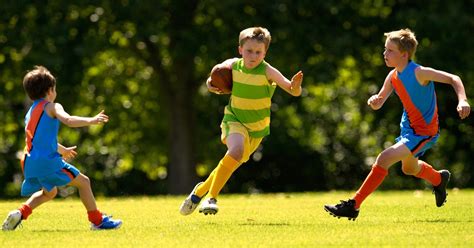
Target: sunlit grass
391,218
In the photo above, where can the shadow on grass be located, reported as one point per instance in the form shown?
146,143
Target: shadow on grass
264,224
251,222
59,230
444,221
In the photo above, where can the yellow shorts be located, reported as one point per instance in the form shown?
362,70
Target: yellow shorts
250,144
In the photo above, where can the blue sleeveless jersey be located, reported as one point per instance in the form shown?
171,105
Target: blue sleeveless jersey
420,111
41,156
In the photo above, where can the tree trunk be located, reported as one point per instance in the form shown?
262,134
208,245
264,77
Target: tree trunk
180,89
181,170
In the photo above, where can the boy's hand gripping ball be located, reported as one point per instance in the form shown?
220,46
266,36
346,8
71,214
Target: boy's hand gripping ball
221,77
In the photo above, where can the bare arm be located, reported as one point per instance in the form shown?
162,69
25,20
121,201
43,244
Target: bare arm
56,110
230,62
376,101
215,90
67,152
211,88
293,87
426,74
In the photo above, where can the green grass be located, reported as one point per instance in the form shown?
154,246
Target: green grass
394,218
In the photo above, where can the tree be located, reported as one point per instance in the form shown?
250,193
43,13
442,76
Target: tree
145,63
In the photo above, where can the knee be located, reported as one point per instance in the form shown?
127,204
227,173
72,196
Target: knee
50,194
382,160
409,170
236,152
83,180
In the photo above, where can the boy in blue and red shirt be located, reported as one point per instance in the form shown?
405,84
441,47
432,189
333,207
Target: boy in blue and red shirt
419,125
43,163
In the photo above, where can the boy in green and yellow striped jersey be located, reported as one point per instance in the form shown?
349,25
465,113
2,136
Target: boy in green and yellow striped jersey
247,116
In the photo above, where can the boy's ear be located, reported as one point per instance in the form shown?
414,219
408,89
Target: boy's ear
406,55
50,91
240,50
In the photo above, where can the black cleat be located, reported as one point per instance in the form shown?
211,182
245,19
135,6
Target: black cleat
440,190
343,209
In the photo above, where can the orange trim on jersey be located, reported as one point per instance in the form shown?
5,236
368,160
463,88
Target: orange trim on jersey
22,161
421,145
30,129
68,173
417,122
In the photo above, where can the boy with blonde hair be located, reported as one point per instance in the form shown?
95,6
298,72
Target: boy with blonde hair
414,85
247,116
43,163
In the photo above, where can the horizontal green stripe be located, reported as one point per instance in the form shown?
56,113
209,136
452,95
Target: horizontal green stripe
226,128
259,134
260,69
251,91
230,118
251,116
254,134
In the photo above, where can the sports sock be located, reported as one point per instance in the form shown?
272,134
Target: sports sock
204,188
95,216
429,174
25,211
223,172
372,181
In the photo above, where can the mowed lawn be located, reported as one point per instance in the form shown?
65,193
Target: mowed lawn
392,218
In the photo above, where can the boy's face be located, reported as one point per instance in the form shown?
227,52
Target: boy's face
253,53
392,55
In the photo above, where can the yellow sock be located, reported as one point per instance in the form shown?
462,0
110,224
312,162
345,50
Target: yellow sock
203,188
223,172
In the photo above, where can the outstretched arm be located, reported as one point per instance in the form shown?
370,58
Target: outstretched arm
56,110
376,101
427,74
293,87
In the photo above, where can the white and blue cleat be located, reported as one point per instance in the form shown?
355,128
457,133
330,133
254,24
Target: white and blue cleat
107,224
12,221
191,202
209,206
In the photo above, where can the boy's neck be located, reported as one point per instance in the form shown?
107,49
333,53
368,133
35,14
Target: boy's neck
402,66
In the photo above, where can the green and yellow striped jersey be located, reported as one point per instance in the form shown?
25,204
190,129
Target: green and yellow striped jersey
250,100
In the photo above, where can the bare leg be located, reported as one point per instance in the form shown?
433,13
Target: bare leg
228,164
41,197
235,146
411,165
83,184
379,170
392,155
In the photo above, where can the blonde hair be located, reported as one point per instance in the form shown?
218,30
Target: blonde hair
256,33
404,39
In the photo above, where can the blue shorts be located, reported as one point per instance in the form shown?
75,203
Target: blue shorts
418,145
59,178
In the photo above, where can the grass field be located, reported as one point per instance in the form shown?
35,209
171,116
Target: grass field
394,218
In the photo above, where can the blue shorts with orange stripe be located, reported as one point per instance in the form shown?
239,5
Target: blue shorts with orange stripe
417,144
61,177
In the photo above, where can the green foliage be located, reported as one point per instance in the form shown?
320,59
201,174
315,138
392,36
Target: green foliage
145,63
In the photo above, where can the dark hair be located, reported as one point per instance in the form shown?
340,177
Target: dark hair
37,82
